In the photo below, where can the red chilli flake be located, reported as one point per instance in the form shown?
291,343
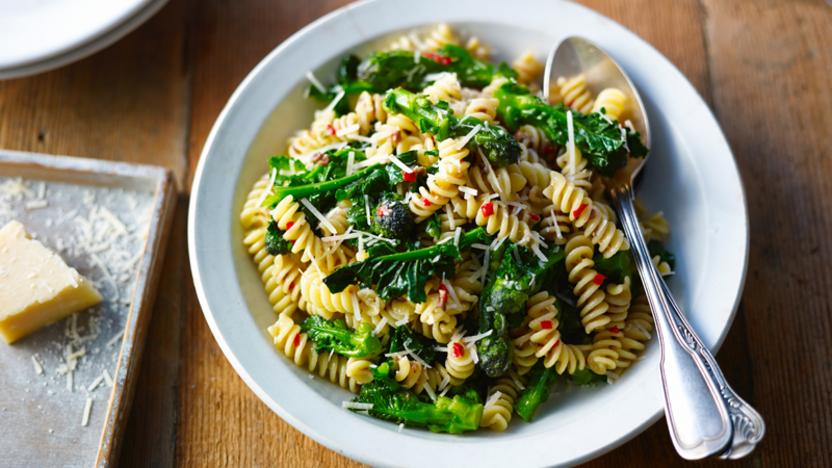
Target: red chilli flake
487,209
458,350
546,325
426,202
615,329
296,341
578,211
409,176
396,137
443,295
330,129
548,150
599,279
440,59
534,217
289,225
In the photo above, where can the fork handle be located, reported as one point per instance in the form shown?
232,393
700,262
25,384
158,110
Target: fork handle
697,416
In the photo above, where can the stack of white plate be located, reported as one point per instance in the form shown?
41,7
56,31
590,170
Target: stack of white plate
39,35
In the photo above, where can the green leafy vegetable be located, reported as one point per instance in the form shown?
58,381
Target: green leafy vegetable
657,248
333,335
587,377
617,267
536,392
405,272
275,243
601,140
402,338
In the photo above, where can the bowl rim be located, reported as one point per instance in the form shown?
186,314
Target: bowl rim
197,267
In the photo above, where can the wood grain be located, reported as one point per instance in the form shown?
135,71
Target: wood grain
221,422
762,66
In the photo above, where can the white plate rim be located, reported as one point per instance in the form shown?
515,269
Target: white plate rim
325,437
95,43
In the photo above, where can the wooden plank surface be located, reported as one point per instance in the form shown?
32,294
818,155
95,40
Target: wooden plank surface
762,66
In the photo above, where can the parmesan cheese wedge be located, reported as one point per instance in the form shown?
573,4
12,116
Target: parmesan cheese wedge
36,286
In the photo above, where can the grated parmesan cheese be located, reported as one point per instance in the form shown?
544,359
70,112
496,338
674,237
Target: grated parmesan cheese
398,162
37,364
85,418
356,405
570,145
492,399
429,391
468,191
314,80
334,102
464,141
321,218
380,326
350,162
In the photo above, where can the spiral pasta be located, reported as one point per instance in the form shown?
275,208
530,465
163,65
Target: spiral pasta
444,185
445,87
506,181
369,109
499,404
575,93
296,346
546,337
495,216
528,68
612,101
459,362
575,202
591,301
289,218
619,297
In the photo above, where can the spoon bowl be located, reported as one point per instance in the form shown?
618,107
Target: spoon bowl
576,55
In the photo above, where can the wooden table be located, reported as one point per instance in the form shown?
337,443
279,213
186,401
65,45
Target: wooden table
763,66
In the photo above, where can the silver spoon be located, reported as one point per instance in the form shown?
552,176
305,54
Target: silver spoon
704,414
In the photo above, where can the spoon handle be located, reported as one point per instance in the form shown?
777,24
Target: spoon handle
749,426
697,415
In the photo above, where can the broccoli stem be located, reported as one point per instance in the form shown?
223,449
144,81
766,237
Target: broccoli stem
536,393
302,191
471,237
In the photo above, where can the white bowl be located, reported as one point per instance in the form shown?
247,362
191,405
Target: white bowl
691,176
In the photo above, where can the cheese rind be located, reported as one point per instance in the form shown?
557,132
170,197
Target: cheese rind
36,286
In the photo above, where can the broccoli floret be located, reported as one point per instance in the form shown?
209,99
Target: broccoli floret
601,140
275,243
390,402
536,392
496,144
333,335
402,338
393,219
